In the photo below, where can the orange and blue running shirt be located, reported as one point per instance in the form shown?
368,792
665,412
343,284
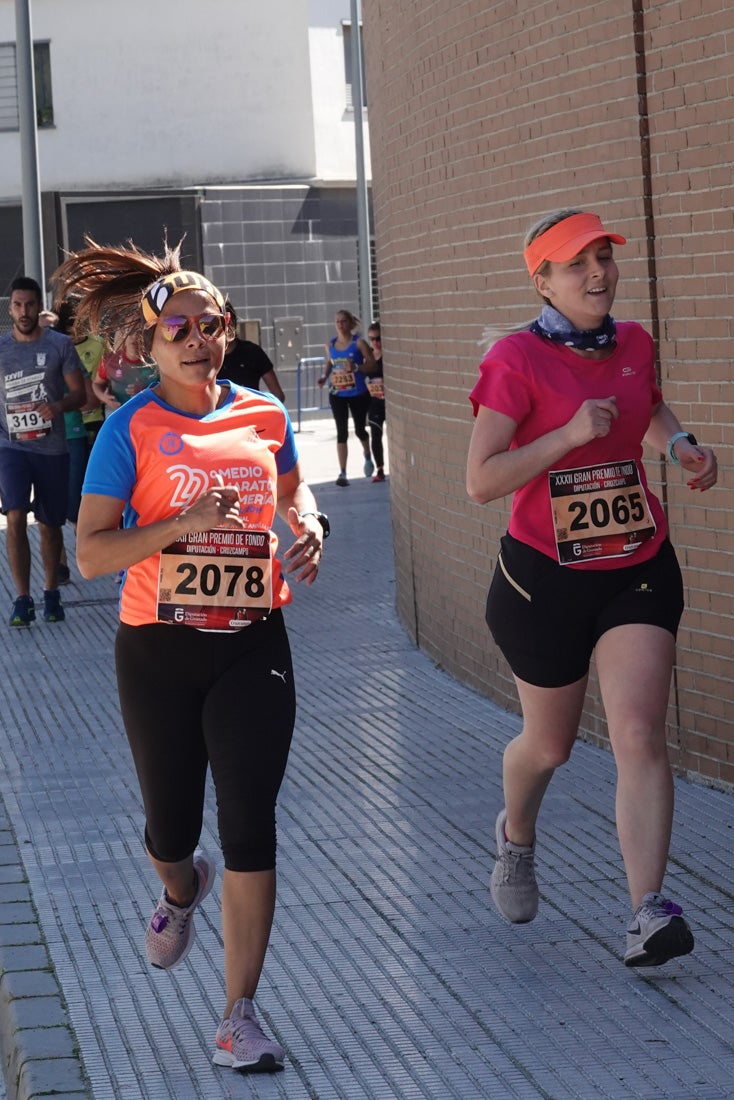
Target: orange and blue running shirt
158,460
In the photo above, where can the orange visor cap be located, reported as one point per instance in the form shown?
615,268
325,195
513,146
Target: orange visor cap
566,239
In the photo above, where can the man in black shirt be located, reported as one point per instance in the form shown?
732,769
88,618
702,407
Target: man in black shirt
246,363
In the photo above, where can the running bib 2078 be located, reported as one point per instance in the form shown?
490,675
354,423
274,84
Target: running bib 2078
216,580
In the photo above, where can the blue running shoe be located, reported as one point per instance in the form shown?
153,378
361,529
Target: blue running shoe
53,612
24,611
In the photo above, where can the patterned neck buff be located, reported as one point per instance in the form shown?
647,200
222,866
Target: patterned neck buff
552,325
159,293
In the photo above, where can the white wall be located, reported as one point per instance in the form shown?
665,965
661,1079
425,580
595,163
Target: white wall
171,93
333,124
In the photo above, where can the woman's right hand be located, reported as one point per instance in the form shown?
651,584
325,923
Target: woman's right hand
218,506
592,420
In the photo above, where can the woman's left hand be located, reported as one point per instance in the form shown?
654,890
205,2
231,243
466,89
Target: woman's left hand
700,461
304,556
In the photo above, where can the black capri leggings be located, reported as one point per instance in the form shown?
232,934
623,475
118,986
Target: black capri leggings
191,698
358,406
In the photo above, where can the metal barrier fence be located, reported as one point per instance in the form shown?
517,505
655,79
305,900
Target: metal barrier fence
310,397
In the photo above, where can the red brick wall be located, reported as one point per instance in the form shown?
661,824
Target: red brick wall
484,116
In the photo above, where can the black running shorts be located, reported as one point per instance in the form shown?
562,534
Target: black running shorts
547,618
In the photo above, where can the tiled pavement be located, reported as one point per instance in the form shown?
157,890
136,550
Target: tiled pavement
389,974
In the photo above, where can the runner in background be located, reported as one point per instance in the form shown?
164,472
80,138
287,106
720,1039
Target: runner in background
345,354
40,379
376,411
562,410
246,364
197,470
122,373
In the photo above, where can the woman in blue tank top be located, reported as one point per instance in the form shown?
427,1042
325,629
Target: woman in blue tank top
348,357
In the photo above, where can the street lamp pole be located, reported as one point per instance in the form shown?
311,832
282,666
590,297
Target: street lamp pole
31,191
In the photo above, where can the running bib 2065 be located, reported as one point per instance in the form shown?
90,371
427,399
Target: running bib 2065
599,512
216,580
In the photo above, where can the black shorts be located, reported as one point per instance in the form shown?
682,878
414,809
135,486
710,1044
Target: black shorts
45,476
547,618
192,699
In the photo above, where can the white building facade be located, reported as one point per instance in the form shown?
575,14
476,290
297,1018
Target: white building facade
230,122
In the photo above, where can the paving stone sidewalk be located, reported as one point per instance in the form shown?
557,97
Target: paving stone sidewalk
390,976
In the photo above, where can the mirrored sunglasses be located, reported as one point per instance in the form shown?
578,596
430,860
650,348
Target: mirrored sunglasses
210,326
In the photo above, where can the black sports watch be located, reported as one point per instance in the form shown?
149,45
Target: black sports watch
323,520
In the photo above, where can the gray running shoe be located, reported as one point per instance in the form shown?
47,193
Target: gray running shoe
170,933
657,933
243,1045
513,886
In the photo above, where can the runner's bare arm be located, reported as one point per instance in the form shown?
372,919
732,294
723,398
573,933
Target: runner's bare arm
103,547
494,471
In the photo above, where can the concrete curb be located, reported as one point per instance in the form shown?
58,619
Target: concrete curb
39,1049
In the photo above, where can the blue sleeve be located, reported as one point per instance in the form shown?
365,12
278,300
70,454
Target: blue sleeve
111,467
287,456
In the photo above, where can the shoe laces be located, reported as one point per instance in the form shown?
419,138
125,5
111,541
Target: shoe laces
245,1026
169,914
517,864
656,903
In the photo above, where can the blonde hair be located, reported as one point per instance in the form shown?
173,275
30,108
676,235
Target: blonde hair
493,333
354,321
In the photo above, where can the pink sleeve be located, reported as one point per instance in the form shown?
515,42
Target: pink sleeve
503,384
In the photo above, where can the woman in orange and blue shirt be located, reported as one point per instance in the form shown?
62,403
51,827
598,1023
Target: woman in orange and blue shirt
196,470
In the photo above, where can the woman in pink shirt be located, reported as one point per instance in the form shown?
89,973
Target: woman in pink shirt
562,408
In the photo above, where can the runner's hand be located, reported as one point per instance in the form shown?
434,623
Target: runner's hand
592,420
304,556
218,506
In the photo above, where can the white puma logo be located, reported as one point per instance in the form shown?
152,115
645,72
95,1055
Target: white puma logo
274,672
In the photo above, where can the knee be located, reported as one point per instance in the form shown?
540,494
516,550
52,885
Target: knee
256,853
17,521
639,743
555,755
546,753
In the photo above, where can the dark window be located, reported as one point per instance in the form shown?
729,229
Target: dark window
373,283
9,118
347,29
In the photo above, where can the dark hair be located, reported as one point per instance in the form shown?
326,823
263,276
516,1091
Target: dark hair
24,282
374,327
106,286
65,323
